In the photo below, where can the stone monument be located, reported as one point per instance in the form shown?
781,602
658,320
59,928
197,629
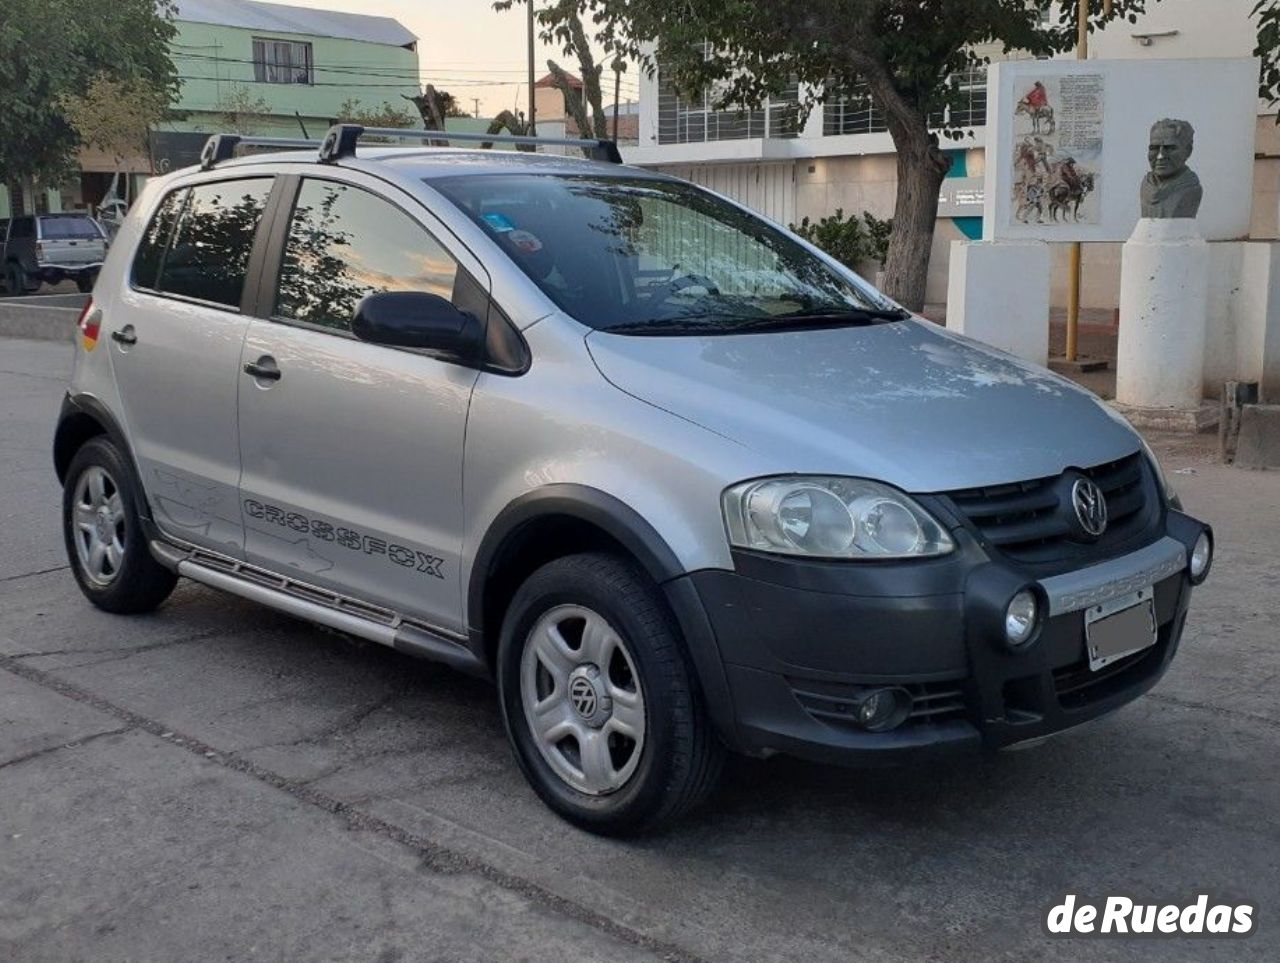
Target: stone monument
1171,188
1164,282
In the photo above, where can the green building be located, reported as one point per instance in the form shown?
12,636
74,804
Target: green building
275,69
251,68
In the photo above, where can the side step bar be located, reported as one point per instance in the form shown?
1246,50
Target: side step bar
320,606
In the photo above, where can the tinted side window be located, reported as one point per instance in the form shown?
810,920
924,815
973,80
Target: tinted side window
345,243
208,255
22,227
151,248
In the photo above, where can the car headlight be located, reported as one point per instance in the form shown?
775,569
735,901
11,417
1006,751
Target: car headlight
826,517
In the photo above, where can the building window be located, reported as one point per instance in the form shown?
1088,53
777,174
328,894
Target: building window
856,112
281,62
696,120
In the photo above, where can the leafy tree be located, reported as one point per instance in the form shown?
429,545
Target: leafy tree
561,23
434,106
114,116
354,111
1268,49
242,110
449,104
907,54
51,50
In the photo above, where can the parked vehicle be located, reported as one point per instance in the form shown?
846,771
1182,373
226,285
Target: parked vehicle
679,482
51,248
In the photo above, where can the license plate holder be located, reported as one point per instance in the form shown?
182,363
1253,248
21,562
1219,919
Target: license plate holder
1120,627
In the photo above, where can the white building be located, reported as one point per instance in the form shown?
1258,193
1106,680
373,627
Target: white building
843,157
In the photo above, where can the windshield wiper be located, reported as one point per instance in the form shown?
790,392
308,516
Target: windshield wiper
819,319
735,324
681,325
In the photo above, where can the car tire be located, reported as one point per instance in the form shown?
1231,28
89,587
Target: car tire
84,283
106,545
14,280
624,746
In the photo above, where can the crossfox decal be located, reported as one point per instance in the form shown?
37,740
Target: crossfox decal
324,531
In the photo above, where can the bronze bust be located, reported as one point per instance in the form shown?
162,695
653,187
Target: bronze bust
1171,188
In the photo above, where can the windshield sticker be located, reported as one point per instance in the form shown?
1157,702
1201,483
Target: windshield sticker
527,242
499,222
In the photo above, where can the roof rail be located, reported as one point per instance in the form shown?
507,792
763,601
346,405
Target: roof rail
341,140
222,147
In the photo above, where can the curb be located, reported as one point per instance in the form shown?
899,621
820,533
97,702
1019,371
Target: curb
38,322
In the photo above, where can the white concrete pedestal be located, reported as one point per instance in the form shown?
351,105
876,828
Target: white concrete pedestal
998,292
1164,283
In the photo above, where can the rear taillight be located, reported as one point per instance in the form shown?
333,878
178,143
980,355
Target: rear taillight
90,325
39,251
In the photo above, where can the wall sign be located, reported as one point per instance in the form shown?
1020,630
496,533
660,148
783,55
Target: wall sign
1067,144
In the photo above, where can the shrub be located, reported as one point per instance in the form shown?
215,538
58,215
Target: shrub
849,240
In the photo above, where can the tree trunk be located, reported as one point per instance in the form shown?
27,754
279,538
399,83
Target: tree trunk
921,168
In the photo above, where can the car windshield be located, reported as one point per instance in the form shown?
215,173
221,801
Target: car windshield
72,228
651,256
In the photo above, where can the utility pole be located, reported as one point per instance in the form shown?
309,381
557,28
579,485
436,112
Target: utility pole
1074,265
1073,279
532,126
476,106
617,87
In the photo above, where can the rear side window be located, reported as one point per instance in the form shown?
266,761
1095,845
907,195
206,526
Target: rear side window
155,239
345,243
69,229
22,227
208,250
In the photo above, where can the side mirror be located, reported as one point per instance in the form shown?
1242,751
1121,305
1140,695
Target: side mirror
415,319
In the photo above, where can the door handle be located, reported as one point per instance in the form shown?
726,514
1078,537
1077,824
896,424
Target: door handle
125,335
264,369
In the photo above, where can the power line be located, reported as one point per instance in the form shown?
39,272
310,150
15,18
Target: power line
392,83
388,73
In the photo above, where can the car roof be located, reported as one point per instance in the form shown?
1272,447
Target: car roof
429,163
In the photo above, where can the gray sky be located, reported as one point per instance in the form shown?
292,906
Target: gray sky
468,49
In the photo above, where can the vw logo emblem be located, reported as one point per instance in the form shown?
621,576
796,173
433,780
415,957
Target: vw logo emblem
583,695
1090,506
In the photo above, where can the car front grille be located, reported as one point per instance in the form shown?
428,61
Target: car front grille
1033,521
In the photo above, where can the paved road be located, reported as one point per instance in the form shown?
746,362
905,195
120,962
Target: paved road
219,782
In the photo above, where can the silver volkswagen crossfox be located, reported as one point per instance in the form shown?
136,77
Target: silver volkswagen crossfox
676,480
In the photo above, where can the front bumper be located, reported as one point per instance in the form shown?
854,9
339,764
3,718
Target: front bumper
800,641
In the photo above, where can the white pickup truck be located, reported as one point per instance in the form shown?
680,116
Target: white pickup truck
51,248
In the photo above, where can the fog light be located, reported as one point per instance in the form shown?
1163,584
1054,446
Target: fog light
1201,559
1021,618
881,709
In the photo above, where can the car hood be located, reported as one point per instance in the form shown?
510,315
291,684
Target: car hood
904,402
